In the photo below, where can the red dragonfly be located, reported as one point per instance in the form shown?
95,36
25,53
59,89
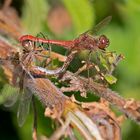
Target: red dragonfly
84,41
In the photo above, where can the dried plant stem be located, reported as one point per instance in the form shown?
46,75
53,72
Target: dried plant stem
60,105
132,112
78,120
50,96
7,4
130,108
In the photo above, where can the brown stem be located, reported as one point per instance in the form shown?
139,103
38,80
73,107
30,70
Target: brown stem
130,108
132,111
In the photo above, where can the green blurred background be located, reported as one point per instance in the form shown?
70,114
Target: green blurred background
66,19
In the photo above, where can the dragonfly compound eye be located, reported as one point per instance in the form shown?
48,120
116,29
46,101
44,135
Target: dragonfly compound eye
103,42
27,44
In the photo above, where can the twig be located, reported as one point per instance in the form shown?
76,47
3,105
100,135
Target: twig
130,108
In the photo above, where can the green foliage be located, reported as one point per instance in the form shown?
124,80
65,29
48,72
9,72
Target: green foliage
125,39
82,14
7,92
34,15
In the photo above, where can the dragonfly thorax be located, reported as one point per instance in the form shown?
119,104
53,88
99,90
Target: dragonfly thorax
86,42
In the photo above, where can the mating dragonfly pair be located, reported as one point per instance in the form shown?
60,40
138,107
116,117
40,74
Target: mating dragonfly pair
25,67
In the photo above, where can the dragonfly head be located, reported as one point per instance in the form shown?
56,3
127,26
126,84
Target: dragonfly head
103,42
27,45
26,42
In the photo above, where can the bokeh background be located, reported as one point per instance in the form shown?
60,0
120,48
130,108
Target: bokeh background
66,19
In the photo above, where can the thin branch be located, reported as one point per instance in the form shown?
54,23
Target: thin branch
130,108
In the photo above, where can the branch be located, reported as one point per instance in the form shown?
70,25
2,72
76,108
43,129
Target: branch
129,107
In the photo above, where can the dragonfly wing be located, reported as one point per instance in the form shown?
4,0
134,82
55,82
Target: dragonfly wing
10,95
46,46
100,25
24,106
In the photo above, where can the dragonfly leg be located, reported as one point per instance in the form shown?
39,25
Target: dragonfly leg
28,72
84,68
88,65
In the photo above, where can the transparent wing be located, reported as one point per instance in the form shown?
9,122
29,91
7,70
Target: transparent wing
10,95
46,46
24,106
45,51
100,25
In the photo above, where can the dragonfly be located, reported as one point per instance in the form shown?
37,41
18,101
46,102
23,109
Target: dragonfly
20,63
85,41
